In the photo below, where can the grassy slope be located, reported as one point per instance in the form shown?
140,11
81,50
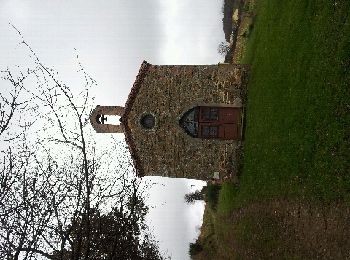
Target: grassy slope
297,136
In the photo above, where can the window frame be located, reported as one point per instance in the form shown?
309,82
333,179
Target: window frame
209,131
209,114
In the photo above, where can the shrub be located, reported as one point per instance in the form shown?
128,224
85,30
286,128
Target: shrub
212,194
194,196
195,248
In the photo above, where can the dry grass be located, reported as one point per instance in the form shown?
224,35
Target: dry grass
286,229
277,229
247,17
207,237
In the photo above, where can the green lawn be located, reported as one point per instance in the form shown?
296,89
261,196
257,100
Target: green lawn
298,111
297,147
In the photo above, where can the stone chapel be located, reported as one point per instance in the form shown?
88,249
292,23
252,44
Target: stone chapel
182,121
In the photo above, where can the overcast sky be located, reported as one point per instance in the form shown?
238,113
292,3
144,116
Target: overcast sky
112,38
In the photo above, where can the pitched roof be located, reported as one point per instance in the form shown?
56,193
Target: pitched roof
124,119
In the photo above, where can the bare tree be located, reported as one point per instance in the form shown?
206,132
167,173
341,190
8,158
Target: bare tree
223,48
57,189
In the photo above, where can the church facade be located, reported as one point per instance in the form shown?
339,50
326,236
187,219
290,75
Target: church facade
181,121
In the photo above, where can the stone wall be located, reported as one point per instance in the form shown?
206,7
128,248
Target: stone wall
167,92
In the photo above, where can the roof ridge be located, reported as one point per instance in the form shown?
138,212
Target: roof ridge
124,119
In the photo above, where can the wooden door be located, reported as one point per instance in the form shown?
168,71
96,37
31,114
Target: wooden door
219,122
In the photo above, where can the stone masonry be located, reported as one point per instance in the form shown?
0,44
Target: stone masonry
167,92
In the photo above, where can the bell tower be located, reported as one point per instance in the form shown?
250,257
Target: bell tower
98,119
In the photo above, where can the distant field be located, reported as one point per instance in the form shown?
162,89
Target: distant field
293,199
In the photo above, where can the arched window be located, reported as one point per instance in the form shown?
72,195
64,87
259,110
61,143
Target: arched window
148,121
189,122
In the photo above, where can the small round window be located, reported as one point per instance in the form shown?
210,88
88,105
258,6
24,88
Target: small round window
148,121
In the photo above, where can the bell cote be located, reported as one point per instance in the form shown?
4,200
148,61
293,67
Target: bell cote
99,117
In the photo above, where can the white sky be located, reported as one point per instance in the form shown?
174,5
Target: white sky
112,38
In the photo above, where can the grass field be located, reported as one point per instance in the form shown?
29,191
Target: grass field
294,193
297,135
